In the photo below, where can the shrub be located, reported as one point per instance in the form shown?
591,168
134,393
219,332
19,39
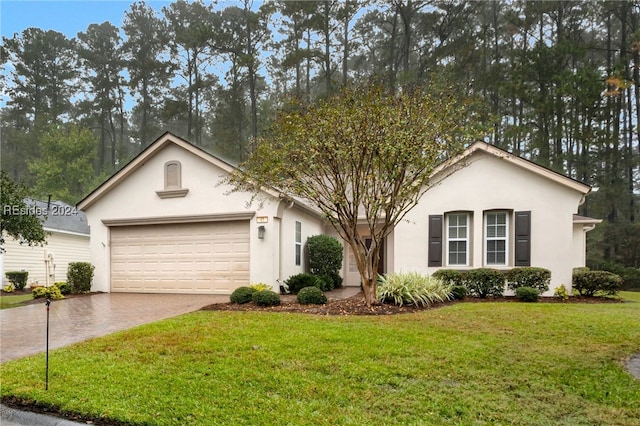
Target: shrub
79,276
630,276
449,276
458,292
52,292
484,282
324,254
327,282
538,278
311,295
18,279
300,281
412,289
9,288
242,295
561,293
260,286
39,292
64,287
266,298
589,282
527,294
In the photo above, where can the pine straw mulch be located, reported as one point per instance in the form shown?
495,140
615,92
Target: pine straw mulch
355,305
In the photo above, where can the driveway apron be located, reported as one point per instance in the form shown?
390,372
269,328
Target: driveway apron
23,329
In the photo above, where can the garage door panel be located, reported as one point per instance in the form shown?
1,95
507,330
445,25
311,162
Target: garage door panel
181,258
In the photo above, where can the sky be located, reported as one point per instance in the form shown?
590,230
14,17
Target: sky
68,17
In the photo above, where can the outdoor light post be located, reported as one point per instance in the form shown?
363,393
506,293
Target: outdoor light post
46,383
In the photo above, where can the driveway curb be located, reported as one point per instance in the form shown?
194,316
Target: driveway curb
13,417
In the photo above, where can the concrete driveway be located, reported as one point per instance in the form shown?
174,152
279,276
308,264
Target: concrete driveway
23,329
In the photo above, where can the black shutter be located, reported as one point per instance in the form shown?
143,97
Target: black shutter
523,239
435,240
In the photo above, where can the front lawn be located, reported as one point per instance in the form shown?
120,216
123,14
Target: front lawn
467,363
8,300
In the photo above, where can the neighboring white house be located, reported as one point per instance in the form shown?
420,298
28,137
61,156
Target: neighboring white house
489,208
166,222
67,241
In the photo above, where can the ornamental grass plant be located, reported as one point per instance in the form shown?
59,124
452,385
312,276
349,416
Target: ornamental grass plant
411,288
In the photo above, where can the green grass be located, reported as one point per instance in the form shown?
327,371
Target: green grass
465,364
13,301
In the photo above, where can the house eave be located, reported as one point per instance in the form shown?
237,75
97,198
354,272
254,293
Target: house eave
480,146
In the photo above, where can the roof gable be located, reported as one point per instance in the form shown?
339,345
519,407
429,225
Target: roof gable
454,163
158,145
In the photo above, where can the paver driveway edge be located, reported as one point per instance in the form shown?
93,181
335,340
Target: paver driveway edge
23,329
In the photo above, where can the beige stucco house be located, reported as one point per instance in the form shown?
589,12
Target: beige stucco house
67,241
167,222
489,208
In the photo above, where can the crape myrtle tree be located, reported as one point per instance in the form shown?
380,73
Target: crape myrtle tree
363,158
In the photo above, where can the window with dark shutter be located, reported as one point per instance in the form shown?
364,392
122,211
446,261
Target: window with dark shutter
435,240
523,238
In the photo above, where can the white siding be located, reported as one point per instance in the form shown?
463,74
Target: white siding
64,247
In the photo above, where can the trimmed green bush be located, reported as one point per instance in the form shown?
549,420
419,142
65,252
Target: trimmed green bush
538,278
458,292
242,295
588,283
266,298
64,287
324,255
300,281
18,279
80,276
411,289
337,279
327,282
52,292
311,295
449,276
485,282
630,276
527,294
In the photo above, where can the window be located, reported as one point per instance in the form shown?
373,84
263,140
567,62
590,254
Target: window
298,245
457,239
172,175
172,181
496,238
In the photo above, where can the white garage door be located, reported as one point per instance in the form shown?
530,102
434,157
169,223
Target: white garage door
211,258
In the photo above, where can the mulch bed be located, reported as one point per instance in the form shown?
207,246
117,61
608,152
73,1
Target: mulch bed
355,305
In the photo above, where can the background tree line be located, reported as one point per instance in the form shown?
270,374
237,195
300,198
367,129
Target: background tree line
560,79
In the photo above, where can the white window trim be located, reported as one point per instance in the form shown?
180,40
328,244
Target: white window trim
298,244
505,238
448,238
